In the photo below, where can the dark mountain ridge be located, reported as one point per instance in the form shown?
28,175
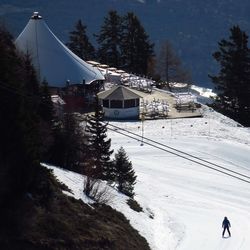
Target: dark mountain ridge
193,27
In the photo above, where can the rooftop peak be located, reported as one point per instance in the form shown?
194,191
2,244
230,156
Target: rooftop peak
36,15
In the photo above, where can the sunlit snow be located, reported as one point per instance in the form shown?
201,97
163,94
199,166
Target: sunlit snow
184,203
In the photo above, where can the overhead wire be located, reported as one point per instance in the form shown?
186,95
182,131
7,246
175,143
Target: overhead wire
17,91
182,152
200,162
150,143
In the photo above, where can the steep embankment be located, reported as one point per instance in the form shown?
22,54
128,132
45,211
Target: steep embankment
48,219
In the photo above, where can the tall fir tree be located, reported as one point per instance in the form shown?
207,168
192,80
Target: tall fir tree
19,144
233,79
109,40
136,49
79,42
30,116
69,149
125,175
46,123
46,109
100,164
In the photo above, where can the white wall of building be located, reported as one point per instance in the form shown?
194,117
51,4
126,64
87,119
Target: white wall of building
128,113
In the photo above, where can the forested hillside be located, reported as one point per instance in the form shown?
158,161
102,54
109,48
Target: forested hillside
194,27
34,212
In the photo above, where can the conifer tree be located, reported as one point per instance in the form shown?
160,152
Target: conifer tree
136,49
109,40
99,146
125,175
19,144
69,148
233,79
46,122
30,116
46,106
79,42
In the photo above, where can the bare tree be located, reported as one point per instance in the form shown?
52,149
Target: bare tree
97,190
169,66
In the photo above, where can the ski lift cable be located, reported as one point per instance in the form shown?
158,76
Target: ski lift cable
16,91
184,153
184,157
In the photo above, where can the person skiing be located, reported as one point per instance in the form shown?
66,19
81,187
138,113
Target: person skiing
225,225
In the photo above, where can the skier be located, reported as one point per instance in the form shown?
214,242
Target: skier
226,224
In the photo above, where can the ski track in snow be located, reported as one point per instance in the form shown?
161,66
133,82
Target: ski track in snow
184,203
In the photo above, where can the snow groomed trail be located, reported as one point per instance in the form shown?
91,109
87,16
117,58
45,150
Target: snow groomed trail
188,201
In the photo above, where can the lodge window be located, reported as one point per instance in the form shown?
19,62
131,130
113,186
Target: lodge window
105,103
116,104
129,103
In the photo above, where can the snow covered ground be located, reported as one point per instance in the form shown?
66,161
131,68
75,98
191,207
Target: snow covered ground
184,202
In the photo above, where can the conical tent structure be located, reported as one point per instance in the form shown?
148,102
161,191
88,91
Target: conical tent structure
53,61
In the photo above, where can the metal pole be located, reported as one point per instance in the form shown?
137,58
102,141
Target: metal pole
142,129
171,127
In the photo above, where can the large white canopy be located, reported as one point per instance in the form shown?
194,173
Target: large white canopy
53,61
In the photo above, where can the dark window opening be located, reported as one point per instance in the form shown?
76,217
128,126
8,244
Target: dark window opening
129,103
116,104
105,103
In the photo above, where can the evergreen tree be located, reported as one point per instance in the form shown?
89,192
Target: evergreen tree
100,165
136,48
109,40
233,79
125,175
19,144
170,67
30,118
69,149
46,122
31,84
46,109
79,42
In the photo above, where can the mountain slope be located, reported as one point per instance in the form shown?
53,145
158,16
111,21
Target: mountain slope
48,219
183,202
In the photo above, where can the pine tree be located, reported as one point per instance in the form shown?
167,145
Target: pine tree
30,117
136,48
125,175
79,42
19,144
46,106
233,80
109,40
46,122
170,67
100,165
69,149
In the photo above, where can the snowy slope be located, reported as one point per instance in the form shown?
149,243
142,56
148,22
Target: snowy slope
184,203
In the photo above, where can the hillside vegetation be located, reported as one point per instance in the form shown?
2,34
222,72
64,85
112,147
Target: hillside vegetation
34,213
47,219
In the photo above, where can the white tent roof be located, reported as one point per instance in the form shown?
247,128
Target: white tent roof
53,60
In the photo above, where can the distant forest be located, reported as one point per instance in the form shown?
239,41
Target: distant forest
192,27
